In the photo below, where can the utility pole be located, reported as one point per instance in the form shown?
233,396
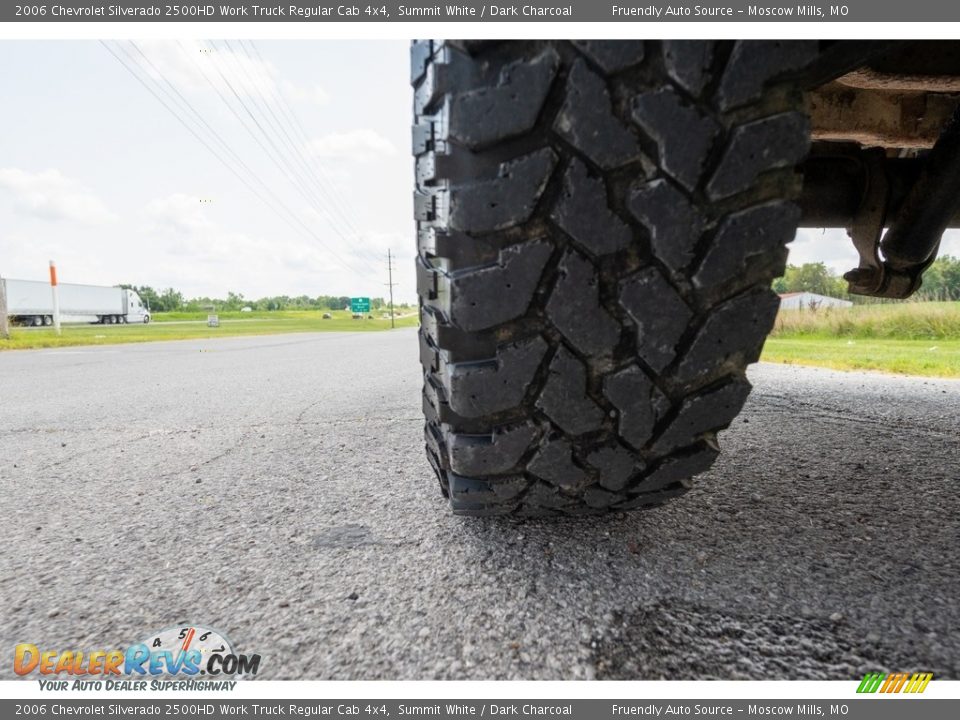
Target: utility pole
4,323
393,323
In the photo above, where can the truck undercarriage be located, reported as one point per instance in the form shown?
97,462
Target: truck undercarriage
885,156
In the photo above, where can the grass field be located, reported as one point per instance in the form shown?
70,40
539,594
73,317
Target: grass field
187,326
939,358
269,315
907,338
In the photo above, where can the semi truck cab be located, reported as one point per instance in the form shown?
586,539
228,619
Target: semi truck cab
137,310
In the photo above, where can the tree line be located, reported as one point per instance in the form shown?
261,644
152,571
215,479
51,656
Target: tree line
941,281
172,300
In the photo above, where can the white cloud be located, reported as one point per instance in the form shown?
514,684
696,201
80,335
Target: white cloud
950,244
52,196
833,247
230,66
361,145
203,256
235,243
315,94
830,246
178,214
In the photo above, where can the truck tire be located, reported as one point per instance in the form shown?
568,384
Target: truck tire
599,223
47,320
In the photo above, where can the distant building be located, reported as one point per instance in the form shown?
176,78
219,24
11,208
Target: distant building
810,301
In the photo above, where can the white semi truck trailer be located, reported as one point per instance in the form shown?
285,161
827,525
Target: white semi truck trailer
30,302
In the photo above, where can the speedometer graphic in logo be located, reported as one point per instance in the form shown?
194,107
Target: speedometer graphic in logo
198,650
190,637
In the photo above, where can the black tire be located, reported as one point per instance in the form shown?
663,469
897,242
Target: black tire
47,320
598,227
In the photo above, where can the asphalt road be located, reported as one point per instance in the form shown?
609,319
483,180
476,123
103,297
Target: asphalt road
275,488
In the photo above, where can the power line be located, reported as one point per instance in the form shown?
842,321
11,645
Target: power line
290,113
213,133
262,147
297,126
203,121
172,112
217,155
331,209
282,164
287,170
278,124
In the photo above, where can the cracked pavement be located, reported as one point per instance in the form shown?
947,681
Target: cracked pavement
275,488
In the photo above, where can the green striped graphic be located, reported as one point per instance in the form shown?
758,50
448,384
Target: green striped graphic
871,682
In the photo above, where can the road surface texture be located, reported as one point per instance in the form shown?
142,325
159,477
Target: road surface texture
275,488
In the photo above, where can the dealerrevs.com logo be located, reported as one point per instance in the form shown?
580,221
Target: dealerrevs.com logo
183,652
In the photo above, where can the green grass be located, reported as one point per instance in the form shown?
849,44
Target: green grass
267,315
191,326
937,358
908,338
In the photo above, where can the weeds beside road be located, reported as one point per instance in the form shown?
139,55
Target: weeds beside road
895,321
907,338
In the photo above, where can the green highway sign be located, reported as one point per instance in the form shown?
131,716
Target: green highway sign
360,305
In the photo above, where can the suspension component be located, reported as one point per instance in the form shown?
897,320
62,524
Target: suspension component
866,191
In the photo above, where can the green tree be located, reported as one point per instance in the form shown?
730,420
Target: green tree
150,297
941,281
169,300
811,277
234,301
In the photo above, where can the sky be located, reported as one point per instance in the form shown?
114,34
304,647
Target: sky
98,175
310,183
